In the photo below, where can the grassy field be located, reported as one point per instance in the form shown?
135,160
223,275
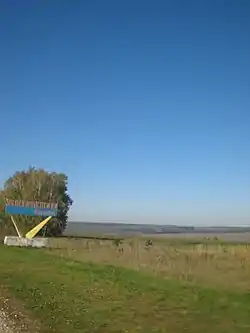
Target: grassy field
131,286
211,263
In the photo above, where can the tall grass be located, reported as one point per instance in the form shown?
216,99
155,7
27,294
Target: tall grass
217,264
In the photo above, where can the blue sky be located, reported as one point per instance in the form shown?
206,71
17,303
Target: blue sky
145,105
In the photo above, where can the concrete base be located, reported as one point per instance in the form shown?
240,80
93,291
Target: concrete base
25,242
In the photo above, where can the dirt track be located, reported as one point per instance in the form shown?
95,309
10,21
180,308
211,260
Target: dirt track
13,317
6,324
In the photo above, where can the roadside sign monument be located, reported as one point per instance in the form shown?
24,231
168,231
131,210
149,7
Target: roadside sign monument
29,208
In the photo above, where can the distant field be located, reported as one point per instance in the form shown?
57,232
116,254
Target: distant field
128,230
165,287
238,237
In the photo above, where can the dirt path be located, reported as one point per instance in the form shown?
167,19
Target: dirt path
14,318
6,324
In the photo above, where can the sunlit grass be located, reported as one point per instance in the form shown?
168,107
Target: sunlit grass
69,296
213,264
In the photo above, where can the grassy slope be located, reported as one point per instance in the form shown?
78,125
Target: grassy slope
70,296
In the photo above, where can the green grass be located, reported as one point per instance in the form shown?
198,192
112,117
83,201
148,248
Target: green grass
72,296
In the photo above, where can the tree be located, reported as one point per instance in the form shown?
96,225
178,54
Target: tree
38,185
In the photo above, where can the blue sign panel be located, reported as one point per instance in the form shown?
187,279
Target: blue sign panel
30,208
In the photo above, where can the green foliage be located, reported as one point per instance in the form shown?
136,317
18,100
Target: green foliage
148,244
117,242
38,185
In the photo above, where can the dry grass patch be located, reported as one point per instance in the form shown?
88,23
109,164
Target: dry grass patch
212,264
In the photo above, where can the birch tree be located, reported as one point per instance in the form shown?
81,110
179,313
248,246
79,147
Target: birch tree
38,185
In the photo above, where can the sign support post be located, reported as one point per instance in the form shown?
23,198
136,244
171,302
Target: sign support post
15,225
37,228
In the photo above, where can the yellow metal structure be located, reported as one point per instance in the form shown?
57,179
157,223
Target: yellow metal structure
37,228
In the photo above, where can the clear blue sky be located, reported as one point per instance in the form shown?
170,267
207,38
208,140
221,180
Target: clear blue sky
145,105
